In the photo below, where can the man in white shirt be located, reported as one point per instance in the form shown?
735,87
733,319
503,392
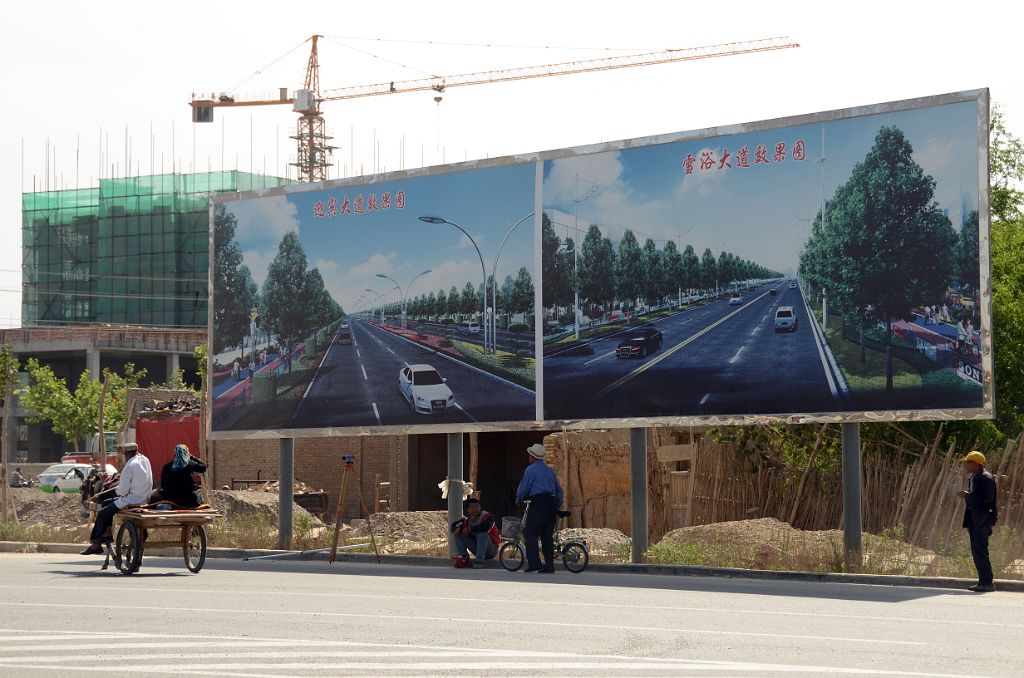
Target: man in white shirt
135,486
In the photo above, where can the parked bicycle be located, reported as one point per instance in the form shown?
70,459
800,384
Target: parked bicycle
512,553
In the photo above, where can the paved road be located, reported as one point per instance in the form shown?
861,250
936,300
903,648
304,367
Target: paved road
61,616
715,359
357,385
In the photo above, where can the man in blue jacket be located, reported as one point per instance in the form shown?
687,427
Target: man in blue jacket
980,515
541,487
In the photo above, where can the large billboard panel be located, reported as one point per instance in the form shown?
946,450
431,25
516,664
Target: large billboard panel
829,267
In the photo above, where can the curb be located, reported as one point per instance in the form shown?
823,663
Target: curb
1011,585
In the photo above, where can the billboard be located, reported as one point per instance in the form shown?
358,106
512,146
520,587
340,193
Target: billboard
828,267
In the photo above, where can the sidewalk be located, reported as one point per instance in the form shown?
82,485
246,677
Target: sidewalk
1002,585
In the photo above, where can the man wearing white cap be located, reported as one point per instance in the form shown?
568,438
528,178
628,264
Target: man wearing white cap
980,515
541,487
134,486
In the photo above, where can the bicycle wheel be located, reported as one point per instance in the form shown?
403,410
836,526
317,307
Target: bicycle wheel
575,556
195,548
127,548
511,555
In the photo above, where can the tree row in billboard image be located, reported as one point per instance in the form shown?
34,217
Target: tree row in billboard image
891,278
266,341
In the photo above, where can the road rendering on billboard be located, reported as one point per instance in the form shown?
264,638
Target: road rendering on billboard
830,266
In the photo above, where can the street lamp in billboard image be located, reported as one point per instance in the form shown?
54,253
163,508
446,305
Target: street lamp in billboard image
483,270
494,285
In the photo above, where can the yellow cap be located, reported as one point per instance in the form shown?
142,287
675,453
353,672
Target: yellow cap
976,457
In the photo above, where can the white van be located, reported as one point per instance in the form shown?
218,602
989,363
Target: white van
469,327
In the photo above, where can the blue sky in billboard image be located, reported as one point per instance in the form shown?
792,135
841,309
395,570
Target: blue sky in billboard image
351,249
763,212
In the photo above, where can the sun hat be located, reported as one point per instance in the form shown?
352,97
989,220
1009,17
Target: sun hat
536,451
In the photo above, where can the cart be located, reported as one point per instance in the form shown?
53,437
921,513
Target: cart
136,526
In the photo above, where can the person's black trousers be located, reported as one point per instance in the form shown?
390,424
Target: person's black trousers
104,519
979,549
540,523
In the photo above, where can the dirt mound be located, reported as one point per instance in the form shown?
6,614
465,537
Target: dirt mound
405,525
600,540
274,486
767,543
245,506
36,507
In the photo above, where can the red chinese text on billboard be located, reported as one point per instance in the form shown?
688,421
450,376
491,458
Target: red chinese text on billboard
715,161
358,204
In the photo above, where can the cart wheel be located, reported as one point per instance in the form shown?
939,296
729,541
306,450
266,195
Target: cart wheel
127,549
575,556
511,556
194,548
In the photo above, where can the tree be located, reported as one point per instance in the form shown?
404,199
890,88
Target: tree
652,274
556,267
691,268
454,301
672,263
967,263
442,303
521,300
74,415
1006,169
430,306
708,270
888,243
469,302
231,302
628,269
597,268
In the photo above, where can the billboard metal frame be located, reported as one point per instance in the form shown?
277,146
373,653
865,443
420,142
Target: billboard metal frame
986,411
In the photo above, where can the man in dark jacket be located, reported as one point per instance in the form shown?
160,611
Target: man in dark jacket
476,534
979,516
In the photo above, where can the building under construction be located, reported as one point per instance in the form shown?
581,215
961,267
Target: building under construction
133,251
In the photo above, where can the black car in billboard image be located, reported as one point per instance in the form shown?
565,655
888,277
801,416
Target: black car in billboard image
639,343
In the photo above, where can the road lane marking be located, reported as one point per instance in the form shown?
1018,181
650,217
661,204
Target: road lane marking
460,408
732,360
743,611
376,413
472,620
605,355
818,335
363,368
390,351
705,398
309,387
654,361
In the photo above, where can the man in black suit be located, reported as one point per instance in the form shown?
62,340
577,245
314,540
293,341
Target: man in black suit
980,515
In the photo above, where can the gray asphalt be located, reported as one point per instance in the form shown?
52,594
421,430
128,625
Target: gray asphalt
715,359
59,615
357,385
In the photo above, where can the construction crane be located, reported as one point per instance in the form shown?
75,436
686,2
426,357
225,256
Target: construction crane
314,149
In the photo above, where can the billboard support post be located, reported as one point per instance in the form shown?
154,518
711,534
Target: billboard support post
285,491
852,552
638,492
454,485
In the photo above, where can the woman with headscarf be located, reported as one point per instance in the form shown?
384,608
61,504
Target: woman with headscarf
176,482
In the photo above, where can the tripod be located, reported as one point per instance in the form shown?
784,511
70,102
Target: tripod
346,476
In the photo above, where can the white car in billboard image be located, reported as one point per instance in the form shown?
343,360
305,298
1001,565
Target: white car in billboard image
785,319
425,389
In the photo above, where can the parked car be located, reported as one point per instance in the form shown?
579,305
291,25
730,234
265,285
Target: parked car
65,478
785,319
469,327
640,343
425,389
735,300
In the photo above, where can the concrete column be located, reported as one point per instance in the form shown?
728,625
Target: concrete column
638,491
454,485
172,365
284,497
852,550
92,363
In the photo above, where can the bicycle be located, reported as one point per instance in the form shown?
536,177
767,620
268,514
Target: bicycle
512,553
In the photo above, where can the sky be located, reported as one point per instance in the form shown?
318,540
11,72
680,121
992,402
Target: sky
96,90
355,246
763,212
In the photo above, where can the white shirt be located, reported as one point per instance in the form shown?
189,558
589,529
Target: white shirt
136,483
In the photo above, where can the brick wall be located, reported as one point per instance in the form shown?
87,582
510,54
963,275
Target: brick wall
318,463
